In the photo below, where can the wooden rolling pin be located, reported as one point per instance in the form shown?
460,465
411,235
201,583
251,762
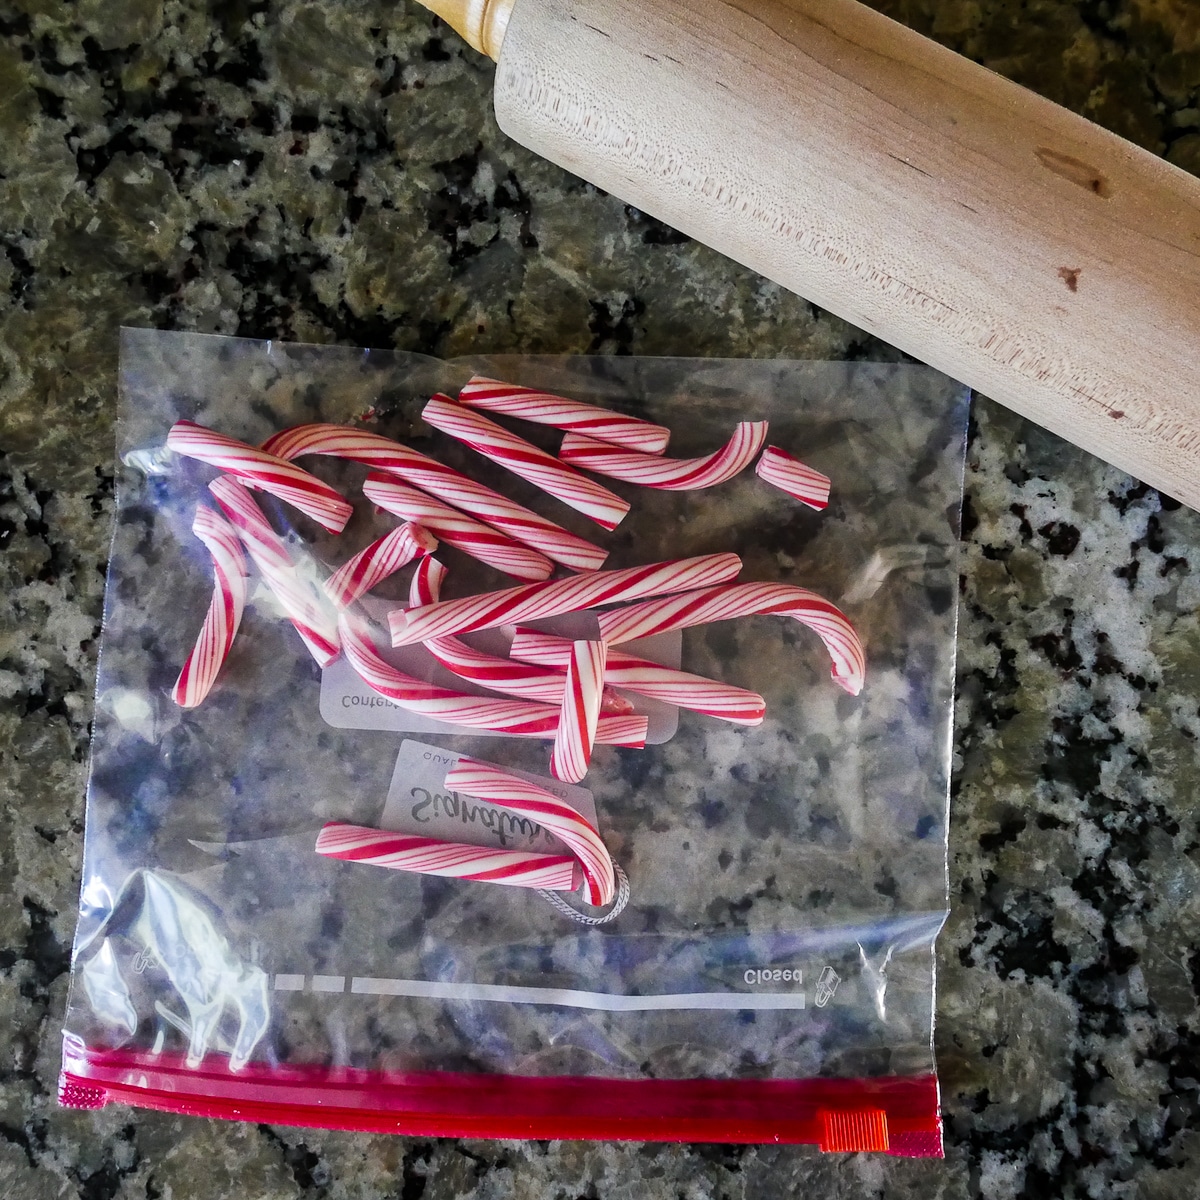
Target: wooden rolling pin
1004,240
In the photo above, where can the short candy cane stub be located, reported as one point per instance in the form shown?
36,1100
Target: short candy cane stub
488,782
382,454
526,460
671,474
457,529
291,484
425,587
536,600
544,408
224,615
746,600
800,481
580,712
383,557
454,860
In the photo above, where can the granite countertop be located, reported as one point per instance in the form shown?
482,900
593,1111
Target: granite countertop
331,172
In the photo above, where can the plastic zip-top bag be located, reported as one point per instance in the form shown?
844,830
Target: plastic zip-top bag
767,973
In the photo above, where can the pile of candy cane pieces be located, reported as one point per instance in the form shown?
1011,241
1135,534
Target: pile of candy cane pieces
549,687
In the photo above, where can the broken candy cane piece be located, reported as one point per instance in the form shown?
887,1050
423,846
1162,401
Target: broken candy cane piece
381,558
543,408
457,529
425,587
306,606
536,600
672,474
526,460
746,600
580,712
291,484
429,856
520,679
786,472
634,674
518,718
487,782
373,450
224,610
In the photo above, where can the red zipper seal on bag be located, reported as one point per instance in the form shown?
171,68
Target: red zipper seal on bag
449,1104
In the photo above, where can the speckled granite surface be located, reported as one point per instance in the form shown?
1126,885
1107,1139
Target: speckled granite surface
329,171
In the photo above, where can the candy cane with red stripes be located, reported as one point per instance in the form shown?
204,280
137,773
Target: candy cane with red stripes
526,460
580,712
383,557
745,600
800,481
537,600
268,472
487,782
544,408
306,606
672,474
224,615
429,856
457,529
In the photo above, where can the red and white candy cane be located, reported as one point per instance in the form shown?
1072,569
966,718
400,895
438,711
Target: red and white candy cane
633,674
224,610
471,536
536,600
487,782
580,712
306,607
746,600
526,460
521,679
429,856
383,557
266,471
672,474
518,718
382,454
544,408
800,481
425,587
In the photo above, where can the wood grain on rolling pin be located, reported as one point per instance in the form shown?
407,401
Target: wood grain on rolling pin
983,229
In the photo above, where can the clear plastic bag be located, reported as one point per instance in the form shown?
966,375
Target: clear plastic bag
772,975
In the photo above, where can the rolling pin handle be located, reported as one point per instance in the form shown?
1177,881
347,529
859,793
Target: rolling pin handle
480,23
